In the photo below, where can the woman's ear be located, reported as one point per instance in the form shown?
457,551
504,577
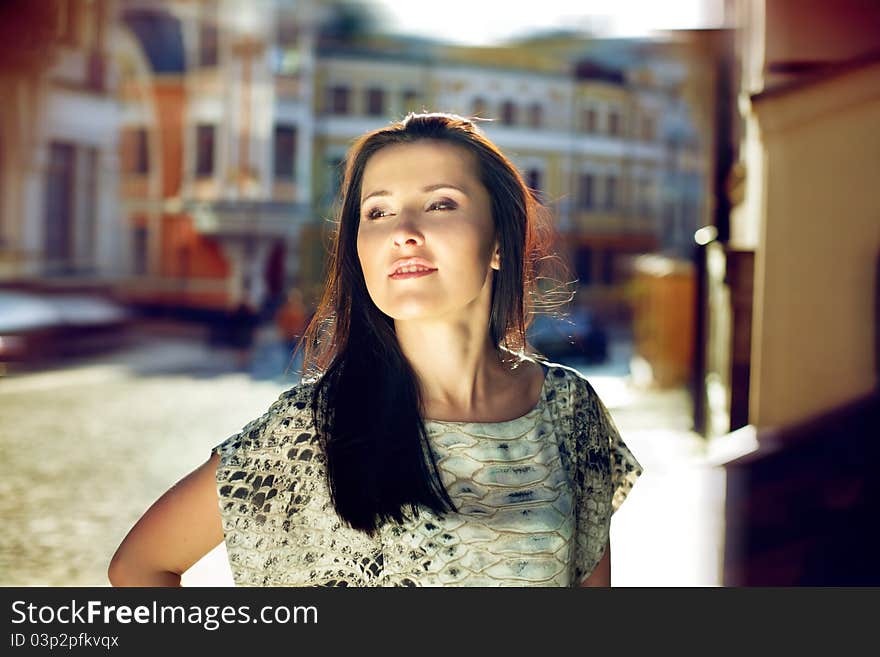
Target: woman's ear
496,257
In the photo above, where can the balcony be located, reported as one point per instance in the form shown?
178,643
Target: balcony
248,218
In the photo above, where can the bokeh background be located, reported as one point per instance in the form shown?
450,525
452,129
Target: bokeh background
168,170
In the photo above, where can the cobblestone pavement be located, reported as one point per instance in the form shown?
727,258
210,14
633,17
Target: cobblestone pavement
91,445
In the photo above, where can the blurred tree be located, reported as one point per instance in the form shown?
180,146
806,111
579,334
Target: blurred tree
347,21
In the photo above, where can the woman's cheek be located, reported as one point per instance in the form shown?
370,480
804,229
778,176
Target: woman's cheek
365,255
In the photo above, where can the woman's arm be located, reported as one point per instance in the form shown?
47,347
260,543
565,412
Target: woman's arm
601,575
176,531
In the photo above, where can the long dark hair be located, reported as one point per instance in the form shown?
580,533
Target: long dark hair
367,404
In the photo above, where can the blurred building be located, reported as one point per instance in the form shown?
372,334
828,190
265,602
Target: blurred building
592,128
217,150
802,262
59,204
188,151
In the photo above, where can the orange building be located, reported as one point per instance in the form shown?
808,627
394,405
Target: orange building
212,182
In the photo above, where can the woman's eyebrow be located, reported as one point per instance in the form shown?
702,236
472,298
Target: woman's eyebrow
429,188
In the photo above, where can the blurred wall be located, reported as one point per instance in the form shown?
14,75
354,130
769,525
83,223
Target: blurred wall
801,507
815,287
811,110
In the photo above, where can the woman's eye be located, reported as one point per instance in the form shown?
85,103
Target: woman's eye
445,204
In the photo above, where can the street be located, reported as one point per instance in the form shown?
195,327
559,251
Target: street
90,447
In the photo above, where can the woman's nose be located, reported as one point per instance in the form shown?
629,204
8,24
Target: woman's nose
406,230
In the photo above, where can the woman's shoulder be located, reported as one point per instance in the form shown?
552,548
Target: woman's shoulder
285,420
566,382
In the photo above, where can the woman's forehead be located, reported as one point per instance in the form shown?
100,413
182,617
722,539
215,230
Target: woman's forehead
420,163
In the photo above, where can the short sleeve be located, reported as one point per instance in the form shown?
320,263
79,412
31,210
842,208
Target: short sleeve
625,469
254,484
290,409
250,432
605,472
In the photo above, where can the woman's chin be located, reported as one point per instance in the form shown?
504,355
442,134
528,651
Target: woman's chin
411,308
411,315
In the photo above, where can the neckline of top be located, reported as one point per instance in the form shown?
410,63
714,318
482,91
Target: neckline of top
537,407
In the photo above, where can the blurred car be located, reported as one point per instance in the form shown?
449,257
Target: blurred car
579,336
36,327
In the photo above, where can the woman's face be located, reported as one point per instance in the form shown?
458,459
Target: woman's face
424,200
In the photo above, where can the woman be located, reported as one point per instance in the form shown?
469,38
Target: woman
426,446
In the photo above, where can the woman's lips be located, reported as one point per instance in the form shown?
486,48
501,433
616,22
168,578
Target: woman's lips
415,274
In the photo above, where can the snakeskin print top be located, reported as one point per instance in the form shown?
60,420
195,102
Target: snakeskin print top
534,496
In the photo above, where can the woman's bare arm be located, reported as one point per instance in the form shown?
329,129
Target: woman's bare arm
601,575
176,531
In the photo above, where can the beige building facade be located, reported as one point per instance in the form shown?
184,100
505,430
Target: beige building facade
58,147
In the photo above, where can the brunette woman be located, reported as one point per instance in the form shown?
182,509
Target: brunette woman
427,444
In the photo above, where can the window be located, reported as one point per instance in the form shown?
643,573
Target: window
139,250
533,181
480,107
287,33
99,20
96,71
589,120
608,267
584,265
88,232
285,151
646,197
669,219
142,157
533,178
135,153
208,50
648,128
508,113
68,19
60,176
338,99
614,123
585,191
610,193
688,216
375,102
335,172
204,150
536,115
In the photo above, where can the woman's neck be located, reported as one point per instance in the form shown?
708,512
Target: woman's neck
464,377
